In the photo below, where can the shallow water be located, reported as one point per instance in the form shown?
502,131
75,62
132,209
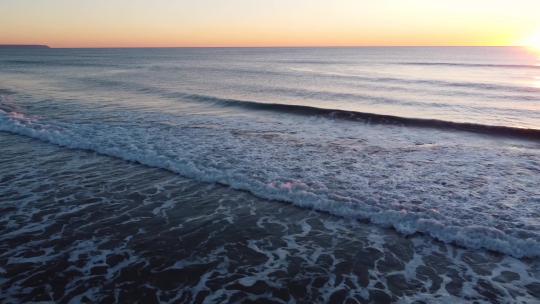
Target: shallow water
77,226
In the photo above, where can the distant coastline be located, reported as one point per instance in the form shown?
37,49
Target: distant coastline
24,46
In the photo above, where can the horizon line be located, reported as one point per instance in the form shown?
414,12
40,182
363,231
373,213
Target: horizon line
269,46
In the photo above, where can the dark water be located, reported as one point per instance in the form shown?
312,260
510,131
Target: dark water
297,175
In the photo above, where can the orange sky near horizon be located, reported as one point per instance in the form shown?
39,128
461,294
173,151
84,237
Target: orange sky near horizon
179,23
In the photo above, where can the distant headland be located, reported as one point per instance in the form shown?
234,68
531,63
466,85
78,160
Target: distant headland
24,46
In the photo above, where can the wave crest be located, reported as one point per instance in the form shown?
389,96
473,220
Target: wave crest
292,191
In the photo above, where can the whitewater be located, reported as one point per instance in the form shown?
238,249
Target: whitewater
444,142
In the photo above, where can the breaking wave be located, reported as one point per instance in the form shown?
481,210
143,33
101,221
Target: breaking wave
297,193
373,118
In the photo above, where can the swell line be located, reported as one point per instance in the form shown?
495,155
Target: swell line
294,72
494,130
531,134
479,65
54,62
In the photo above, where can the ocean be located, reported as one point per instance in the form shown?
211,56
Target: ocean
270,175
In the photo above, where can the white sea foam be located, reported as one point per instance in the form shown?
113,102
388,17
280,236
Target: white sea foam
108,231
456,187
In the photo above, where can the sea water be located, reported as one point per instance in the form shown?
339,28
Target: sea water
403,154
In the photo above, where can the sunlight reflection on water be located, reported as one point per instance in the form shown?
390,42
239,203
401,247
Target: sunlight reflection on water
536,82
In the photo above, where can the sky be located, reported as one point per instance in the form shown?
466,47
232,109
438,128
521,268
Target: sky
182,23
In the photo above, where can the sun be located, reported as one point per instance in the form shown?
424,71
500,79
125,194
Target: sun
532,42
